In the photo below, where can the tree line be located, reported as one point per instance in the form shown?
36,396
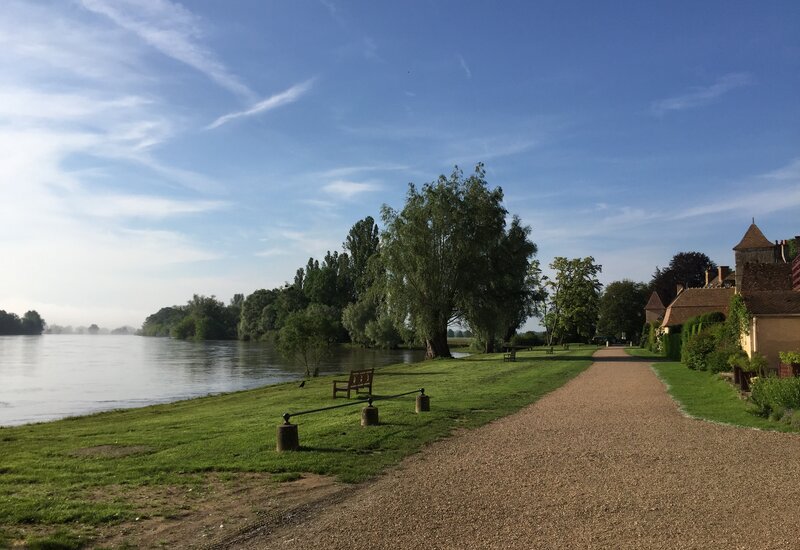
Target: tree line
12,324
452,255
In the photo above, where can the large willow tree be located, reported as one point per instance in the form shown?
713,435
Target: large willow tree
436,250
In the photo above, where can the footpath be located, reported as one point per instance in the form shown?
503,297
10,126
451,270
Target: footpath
606,461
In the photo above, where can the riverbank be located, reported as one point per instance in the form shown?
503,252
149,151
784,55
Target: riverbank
150,472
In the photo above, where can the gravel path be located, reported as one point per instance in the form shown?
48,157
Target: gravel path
606,461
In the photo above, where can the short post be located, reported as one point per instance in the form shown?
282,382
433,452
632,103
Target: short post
423,402
369,415
288,439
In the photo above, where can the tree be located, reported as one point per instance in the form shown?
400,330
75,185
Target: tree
307,336
256,318
574,298
432,251
362,244
93,329
685,268
622,309
500,301
32,323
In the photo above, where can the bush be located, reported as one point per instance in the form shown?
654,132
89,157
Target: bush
672,345
775,394
698,348
789,357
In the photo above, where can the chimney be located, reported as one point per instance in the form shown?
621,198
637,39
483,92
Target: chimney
722,272
680,287
708,275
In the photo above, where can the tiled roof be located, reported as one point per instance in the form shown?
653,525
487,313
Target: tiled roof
655,303
696,301
758,276
774,302
753,238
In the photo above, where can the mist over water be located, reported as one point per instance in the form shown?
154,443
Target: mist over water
54,376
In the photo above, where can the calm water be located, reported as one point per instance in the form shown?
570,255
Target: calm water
53,376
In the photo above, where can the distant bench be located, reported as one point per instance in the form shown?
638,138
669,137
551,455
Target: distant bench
510,355
359,379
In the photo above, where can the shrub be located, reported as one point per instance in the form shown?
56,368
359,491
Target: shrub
789,357
672,345
775,394
698,348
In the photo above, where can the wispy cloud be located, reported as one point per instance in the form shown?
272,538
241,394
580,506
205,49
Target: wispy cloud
349,189
171,29
702,95
273,102
142,206
344,171
464,66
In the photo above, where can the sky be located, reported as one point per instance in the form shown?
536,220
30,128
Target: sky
151,150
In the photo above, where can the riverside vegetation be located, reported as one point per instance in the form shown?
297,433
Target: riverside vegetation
77,475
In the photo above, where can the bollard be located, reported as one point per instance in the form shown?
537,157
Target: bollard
423,402
369,415
287,437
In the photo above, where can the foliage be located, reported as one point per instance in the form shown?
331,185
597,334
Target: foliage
789,357
739,318
686,268
307,336
529,339
671,343
355,318
651,338
621,309
501,299
59,484
770,394
30,324
383,333
162,322
434,249
694,326
362,244
574,299
697,349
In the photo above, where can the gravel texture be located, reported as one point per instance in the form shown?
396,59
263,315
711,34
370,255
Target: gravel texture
606,461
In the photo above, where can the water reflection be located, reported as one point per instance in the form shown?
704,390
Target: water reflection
53,376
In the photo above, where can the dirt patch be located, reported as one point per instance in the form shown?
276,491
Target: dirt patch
207,514
111,451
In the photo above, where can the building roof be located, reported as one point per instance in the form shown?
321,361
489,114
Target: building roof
696,301
753,238
757,277
655,303
775,302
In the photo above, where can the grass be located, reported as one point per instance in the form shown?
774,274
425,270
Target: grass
705,395
65,472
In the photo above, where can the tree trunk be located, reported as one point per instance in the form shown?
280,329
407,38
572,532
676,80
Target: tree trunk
437,346
489,345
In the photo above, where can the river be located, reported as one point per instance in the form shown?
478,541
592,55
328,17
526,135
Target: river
54,376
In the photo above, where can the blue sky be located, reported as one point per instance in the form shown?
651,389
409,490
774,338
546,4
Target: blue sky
150,150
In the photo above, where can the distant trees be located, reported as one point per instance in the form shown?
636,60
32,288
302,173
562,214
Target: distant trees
202,318
443,250
31,323
686,268
448,256
574,299
622,309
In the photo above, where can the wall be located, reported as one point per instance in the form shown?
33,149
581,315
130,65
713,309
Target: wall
772,334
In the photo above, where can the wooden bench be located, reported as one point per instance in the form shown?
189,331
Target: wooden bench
359,379
510,355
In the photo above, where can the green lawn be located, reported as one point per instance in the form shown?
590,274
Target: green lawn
51,474
707,396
